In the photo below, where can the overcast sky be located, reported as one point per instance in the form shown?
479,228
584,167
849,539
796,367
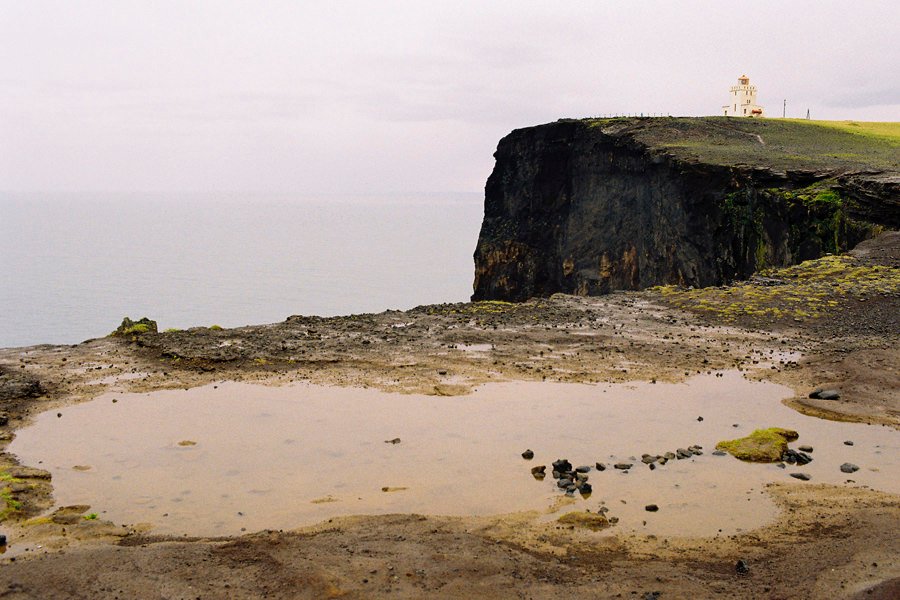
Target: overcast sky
364,96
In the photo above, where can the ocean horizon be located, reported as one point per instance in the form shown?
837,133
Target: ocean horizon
75,264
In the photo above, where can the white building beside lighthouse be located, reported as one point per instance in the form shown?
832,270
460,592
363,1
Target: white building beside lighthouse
742,100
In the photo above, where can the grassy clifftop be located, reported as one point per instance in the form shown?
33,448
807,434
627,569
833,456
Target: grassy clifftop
778,144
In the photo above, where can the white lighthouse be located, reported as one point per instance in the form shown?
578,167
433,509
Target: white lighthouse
742,100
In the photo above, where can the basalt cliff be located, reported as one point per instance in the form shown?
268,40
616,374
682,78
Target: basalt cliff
591,206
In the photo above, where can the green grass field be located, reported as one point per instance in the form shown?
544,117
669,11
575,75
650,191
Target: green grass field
882,131
783,144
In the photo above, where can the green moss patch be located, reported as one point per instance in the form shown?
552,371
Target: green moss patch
8,504
135,328
763,445
484,307
801,292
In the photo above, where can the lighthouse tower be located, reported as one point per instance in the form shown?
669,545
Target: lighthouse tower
742,99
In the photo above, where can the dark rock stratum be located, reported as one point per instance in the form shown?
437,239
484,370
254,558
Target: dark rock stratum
591,206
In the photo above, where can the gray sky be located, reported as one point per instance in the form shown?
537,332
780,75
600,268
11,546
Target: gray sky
354,96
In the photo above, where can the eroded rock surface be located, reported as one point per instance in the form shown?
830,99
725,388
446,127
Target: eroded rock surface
587,207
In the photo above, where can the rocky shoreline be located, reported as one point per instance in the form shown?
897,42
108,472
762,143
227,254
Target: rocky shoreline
838,541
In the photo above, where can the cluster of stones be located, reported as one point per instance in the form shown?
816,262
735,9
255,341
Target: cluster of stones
575,479
571,479
660,459
799,458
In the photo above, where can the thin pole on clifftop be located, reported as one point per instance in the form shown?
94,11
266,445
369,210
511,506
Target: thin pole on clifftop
784,109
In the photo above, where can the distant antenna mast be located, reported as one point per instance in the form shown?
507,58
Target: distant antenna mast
784,109
807,114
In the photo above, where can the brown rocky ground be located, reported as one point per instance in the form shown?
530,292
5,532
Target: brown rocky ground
831,323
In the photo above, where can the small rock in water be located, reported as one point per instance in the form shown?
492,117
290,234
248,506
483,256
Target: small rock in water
2,540
719,453
849,468
848,443
682,453
647,459
528,454
393,441
821,394
539,472
585,488
652,466
781,465
801,476
623,466
700,419
651,508
805,448
600,466
792,456
669,456
562,465
582,469
741,567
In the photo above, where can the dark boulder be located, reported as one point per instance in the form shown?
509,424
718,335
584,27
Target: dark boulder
821,394
562,465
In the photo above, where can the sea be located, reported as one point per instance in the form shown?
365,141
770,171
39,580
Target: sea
73,265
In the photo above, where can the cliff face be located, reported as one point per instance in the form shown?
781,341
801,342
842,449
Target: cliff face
587,207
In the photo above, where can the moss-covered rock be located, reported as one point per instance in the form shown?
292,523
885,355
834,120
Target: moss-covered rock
585,520
763,445
129,327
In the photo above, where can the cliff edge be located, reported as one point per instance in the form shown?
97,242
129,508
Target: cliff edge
591,206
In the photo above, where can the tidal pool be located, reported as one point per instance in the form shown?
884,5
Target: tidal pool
232,457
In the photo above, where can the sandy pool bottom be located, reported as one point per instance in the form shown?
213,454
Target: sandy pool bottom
233,457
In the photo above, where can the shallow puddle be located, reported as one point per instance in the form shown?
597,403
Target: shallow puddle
223,459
